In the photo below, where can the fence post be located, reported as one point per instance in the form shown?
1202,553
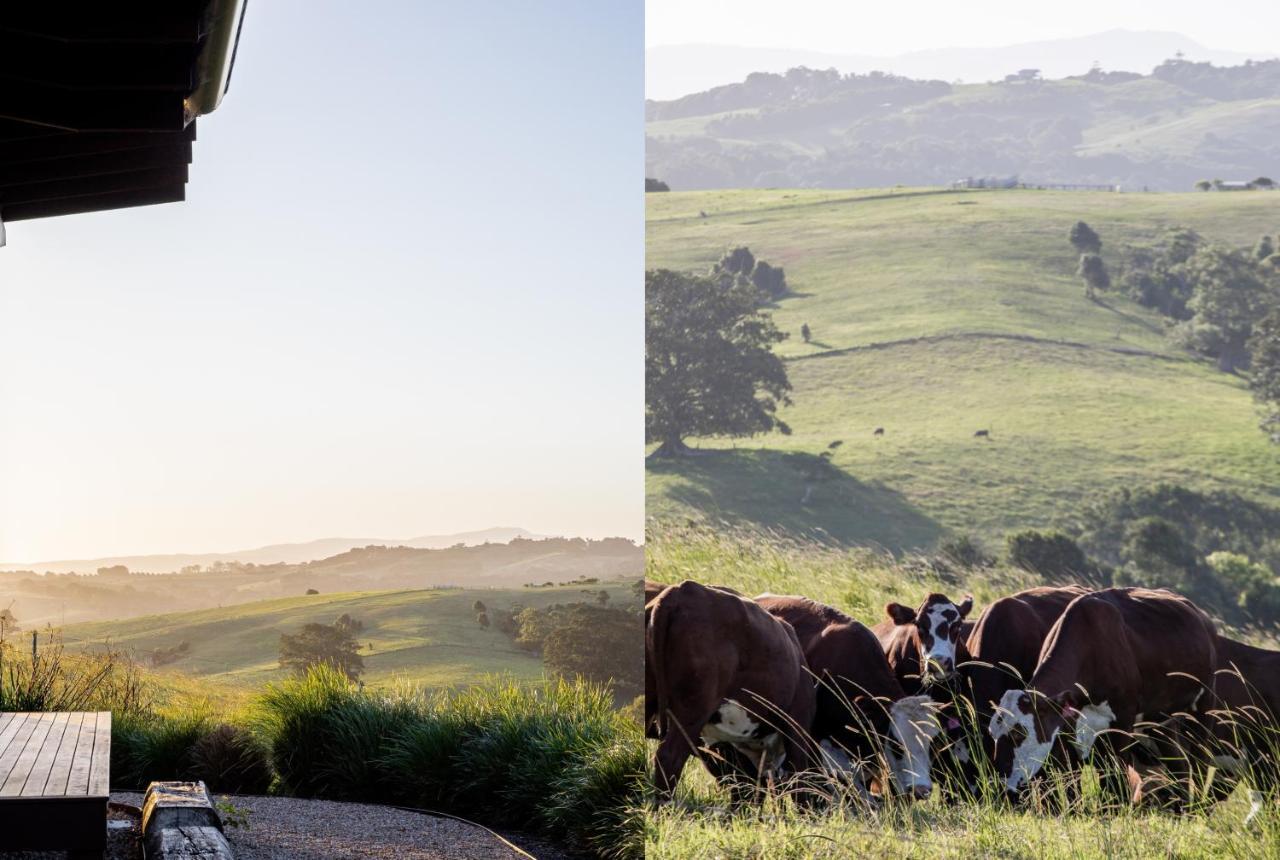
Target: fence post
34,635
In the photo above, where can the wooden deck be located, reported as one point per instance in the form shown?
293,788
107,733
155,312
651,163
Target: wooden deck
54,781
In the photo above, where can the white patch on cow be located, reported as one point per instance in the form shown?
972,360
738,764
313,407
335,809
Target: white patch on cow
1030,755
1229,763
943,650
914,723
737,727
1092,721
837,762
1256,799
961,753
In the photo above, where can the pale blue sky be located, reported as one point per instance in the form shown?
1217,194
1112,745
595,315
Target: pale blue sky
403,296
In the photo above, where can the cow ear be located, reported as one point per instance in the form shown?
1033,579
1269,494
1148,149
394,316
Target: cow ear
900,614
965,605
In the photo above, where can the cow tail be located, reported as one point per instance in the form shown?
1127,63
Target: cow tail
655,652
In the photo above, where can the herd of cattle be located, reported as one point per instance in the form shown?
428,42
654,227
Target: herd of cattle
1137,682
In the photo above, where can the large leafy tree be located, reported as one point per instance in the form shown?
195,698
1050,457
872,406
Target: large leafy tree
709,362
1230,296
1264,376
321,644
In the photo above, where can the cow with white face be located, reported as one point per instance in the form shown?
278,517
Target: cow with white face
925,644
861,707
1112,655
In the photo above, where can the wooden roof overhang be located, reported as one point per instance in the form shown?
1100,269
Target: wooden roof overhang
98,102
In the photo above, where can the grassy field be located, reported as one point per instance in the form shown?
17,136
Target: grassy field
423,637
936,314
701,824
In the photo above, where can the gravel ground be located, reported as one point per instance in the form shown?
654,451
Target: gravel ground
286,828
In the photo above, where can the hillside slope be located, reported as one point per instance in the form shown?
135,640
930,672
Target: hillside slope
423,636
816,128
936,314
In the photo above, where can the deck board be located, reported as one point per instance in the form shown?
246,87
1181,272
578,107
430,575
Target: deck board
47,755
54,781
57,782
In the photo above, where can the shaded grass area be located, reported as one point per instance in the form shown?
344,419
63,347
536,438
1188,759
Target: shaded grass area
702,824
419,636
937,320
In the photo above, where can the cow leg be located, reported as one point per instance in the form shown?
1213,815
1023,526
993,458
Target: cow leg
1111,759
674,750
735,772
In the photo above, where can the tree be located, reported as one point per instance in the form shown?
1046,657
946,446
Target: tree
600,645
651,185
8,623
771,281
321,644
312,591
1265,248
1204,185
349,624
739,261
1084,239
1229,296
805,332
709,361
1052,555
1264,182
1264,371
478,606
1094,274
482,618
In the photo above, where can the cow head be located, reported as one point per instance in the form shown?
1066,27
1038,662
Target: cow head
937,624
913,724
1025,726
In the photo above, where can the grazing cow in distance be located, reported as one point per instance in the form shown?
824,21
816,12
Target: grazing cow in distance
925,644
1112,656
861,707
982,434
878,432
725,671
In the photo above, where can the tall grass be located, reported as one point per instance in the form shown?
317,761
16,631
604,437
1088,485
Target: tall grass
554,758
1066,814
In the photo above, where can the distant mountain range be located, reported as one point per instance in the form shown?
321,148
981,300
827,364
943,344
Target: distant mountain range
1166,130
672,71
284,553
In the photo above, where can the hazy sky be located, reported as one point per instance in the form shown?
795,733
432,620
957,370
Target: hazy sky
893,28
403,297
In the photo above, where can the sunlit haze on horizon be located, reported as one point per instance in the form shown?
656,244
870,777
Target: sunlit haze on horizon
402,297
884,29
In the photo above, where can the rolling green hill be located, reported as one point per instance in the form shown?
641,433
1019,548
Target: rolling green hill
422,636
936,314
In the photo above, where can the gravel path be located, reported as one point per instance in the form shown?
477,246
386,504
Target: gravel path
286,828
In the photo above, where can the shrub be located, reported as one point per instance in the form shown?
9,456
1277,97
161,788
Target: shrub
150,747
1084,239
1052,555
965,551
231,759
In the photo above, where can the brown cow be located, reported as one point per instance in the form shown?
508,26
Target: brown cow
1005,644
861,707
925,644
1111,657
725,671
1237,736
651,590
